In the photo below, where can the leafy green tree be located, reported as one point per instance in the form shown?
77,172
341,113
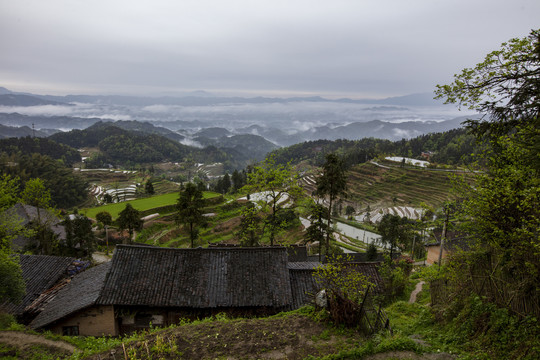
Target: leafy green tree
504,87
149,187
223,185
318,225
36,194
12,287
371,252
276,185
395,232
80,240
345,289
107,198
238,180
501,210
104,218
189,210
332,184
66,188
250,225
130,219
10,224
226,183
9,191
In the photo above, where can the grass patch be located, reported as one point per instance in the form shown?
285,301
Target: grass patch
141,204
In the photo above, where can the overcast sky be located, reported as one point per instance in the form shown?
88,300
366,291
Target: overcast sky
353,48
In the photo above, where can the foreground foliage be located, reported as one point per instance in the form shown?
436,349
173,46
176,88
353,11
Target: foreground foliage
501,212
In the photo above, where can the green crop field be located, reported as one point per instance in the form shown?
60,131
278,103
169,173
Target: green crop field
140,204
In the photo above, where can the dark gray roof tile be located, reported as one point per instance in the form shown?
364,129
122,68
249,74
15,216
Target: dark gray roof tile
198,278
80,293
40,272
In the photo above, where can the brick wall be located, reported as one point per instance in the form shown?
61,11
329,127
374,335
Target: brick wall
94,321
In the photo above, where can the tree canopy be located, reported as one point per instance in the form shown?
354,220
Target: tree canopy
12,286
189,207
505,86
331,184
501,210
130,219
276,186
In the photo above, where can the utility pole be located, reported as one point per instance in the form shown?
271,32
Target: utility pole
443,237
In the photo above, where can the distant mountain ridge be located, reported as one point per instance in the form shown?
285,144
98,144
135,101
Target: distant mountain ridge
25,100
201,98
18,132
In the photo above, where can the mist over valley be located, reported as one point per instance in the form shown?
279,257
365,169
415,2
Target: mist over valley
282,121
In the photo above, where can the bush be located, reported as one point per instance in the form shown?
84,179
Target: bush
6,320
395,275
492,332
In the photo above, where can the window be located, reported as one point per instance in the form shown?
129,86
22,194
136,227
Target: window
70,330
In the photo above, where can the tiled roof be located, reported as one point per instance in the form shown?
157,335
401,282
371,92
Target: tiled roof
40,272
370,270
303,285
297,253
81,292
304,265
27,214
198,278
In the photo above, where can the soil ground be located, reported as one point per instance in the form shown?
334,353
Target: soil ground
289,337
25,346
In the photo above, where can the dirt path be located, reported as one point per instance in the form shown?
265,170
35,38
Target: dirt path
24,341
415,292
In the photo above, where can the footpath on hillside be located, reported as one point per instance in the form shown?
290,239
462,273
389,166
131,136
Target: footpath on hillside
417,289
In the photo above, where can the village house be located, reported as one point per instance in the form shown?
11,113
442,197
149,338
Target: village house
144,286
159,286
40,273
28,215
451,244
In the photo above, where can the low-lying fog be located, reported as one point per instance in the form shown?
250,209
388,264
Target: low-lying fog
297,120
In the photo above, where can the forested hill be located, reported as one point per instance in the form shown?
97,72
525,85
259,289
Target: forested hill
123,146
44,146
89,137
144,144
67,187
454,147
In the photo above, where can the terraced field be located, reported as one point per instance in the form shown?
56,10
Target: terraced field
388,186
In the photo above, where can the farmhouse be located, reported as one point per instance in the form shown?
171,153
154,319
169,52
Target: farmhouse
450,245
40,273
144,286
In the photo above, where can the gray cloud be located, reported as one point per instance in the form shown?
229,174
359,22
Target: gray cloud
349,47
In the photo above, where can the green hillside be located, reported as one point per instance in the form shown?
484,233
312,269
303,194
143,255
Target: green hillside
153,202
